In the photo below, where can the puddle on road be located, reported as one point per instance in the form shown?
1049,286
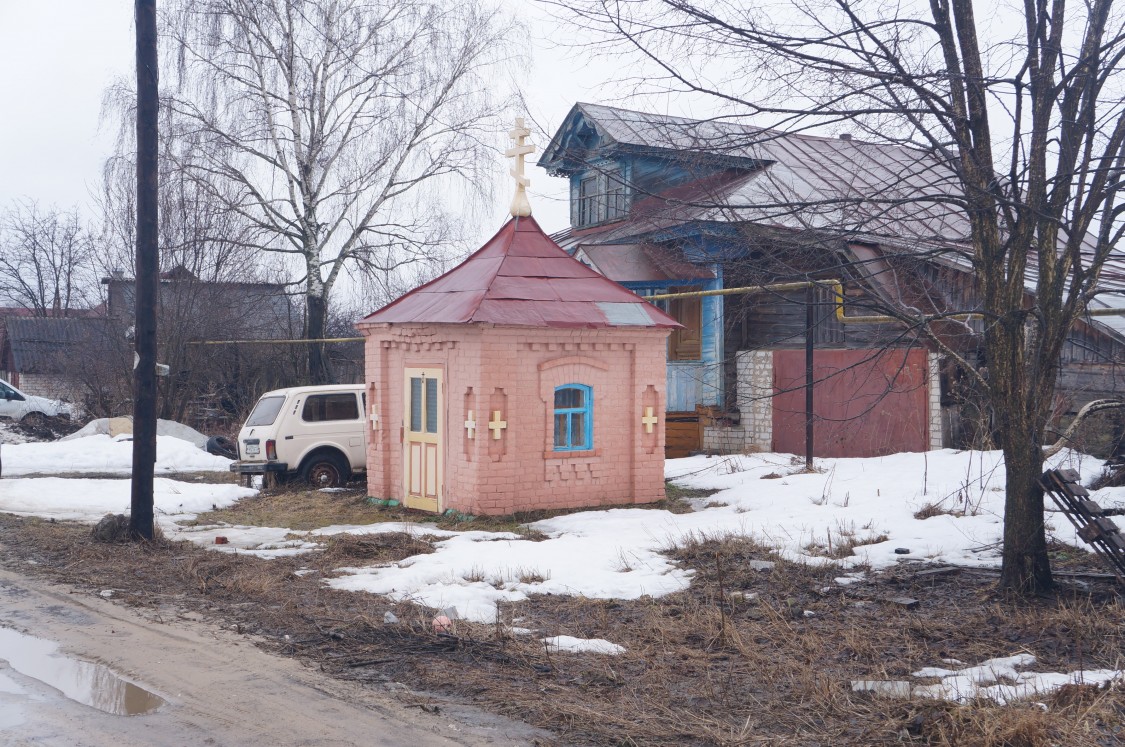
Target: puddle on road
85,682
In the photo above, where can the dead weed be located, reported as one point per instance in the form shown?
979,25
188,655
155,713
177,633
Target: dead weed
383,547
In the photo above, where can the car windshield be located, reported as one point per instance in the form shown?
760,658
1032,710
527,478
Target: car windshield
265,412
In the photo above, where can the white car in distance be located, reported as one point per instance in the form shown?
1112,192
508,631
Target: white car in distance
29,409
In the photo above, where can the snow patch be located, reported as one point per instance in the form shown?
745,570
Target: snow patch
1001,681
572,645
90,499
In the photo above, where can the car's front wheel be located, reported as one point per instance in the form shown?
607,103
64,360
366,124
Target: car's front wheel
34,420
326,471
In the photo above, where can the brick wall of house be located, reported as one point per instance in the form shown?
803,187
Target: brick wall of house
724,439
933,382
51,386
755,398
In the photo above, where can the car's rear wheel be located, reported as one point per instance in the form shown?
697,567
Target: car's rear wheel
326,471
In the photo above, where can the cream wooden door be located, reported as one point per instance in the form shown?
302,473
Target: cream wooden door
424,424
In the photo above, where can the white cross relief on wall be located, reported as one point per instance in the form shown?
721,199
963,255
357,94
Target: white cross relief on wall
649,420
470,426
496,425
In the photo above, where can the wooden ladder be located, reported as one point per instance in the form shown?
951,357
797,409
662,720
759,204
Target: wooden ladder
1091,520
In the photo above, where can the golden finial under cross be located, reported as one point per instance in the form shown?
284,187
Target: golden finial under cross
520,206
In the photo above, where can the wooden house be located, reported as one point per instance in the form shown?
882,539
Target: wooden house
666,204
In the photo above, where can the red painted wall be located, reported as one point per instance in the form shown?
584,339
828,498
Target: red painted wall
865,402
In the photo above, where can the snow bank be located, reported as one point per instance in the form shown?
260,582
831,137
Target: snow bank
90,499
105,454
102,427
770,497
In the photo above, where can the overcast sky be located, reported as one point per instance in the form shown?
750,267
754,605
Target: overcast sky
57,58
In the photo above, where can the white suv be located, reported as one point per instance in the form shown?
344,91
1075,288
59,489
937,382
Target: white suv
28,408
313,432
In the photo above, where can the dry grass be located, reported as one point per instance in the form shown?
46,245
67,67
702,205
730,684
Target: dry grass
734,660
930,510
344,550
842,542
298,509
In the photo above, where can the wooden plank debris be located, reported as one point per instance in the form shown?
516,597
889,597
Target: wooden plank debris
907,602
1089,518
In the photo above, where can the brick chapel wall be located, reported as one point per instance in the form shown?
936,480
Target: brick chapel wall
625,369
455,350
514,371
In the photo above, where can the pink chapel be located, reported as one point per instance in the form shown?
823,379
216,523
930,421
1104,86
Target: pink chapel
519,380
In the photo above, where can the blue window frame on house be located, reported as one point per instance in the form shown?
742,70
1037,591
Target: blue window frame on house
601,197
574,417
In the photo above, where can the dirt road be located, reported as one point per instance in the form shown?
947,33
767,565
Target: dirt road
219,689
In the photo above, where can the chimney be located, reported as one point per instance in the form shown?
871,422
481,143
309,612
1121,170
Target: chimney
845,136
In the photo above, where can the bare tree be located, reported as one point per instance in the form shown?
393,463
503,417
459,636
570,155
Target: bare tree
1018,112
209,290
339,128
45,259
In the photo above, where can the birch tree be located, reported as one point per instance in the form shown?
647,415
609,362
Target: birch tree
1022,105
345,131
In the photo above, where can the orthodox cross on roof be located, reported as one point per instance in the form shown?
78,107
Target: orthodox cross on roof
520,148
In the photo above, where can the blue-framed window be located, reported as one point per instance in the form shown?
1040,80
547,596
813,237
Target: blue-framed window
574,417
601,196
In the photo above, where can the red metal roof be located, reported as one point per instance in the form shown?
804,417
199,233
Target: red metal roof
521,277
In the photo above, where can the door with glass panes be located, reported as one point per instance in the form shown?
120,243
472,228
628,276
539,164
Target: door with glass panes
424,424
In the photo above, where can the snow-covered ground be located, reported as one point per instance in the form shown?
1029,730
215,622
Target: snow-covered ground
106,455
619,553
91,499
88,499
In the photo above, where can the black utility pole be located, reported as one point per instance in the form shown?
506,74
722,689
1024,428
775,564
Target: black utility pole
144,373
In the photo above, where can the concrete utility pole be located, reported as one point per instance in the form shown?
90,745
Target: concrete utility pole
144,373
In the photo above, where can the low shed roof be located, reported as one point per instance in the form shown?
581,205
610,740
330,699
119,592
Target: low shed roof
40,345
521,277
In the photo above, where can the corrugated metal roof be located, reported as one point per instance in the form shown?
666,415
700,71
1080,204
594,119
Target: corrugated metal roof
521,277
788,180
627,263
47,345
